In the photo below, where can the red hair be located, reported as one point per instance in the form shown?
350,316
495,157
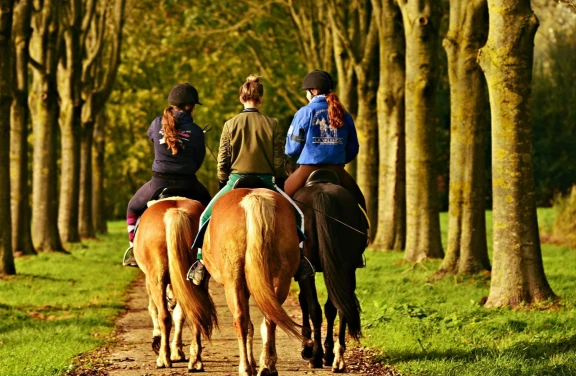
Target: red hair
169,130
336,110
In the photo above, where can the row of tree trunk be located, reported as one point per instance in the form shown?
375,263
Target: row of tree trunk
73,49
388,51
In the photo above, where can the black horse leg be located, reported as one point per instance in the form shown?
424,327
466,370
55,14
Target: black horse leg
339,365
308,288
330,312
306,330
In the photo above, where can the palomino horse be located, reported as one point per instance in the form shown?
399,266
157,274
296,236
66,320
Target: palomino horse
251,247
335,229
163,251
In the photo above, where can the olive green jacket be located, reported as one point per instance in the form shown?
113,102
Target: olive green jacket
251,143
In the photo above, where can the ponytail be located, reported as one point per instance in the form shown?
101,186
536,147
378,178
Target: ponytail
252,90
169,130
336,111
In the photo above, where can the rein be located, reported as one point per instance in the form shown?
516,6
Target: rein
208,128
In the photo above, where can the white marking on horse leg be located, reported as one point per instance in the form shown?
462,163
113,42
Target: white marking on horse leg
153,311
250,347
339,364
196,363
176,353
268,357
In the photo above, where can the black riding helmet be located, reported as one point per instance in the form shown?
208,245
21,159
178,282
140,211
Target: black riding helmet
319,80
183,94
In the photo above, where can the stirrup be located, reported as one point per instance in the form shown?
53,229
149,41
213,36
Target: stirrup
196,273
129,255
299,278
362,263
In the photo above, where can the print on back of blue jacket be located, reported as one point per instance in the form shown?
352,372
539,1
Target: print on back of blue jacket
312,140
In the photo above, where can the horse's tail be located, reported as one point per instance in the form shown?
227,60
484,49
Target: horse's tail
196,303
338,276
260,218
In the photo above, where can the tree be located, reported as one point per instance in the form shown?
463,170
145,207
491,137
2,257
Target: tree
19,120
75,24
391,225
99,73
507,59
361,47
467,248
44,107
6,15
98,164
421,29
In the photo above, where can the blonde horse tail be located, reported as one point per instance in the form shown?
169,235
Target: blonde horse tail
260,217
196,303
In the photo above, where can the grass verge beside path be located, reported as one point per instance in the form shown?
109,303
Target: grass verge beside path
426,327
59,305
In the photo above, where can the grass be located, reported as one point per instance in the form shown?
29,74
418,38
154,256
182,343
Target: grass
59,306
426,327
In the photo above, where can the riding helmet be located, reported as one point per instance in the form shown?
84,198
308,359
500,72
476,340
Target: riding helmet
183,94
319,80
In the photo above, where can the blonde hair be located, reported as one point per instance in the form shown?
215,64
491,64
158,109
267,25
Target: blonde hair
252,90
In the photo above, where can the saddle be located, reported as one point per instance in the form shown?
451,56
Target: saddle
322,176
250,182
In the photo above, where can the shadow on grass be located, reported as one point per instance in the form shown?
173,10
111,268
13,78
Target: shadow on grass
46,278
526,350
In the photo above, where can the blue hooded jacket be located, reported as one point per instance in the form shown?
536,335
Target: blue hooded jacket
191,151
313,141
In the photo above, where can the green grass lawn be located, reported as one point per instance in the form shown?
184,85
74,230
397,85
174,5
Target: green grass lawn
428,327
59,306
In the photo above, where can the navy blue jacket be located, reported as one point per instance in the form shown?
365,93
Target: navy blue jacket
191,151
313,141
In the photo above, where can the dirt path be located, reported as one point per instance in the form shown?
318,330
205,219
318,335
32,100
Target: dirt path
133,353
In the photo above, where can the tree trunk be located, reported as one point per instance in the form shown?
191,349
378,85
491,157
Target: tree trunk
467,248
518,273
45,111
6,14
20,117
391,225
86,224
98,160
421,28
70,81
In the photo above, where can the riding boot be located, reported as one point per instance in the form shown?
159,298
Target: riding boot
129,259
196,273
305,269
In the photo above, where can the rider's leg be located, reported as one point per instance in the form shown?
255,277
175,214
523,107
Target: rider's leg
136,208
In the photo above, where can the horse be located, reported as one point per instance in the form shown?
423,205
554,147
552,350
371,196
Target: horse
335,230
162,248
251,247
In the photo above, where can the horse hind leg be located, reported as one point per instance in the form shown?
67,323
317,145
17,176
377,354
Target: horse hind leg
339,365
330,312
268,358
308,288
158,293
153,311
196,364
176,352
237,299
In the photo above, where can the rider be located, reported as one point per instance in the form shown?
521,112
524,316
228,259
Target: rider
322,136
178,153
251,144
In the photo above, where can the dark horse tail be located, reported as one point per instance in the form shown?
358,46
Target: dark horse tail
339,270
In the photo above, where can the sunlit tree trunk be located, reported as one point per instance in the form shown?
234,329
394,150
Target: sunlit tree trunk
69,88
98,160
391,225
421,28
518,273
45,110
20,117
467,251
6,15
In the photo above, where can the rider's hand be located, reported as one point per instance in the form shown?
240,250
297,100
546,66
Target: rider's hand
222,184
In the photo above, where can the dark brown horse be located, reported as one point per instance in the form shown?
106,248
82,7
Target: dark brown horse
163,251
335,229
251,247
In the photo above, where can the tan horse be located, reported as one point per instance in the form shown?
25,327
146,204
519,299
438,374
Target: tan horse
251,247
163,251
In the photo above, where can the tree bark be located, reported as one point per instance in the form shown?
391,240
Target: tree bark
421,28
20,117
86,224
6,16
467,251
70,84
518,273
391,225
45,111
98,160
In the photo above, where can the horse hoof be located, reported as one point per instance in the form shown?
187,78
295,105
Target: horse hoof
307,353
177,356
339,368
156,344
315,363
163,363
328,359
267,372
197,366
193,370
